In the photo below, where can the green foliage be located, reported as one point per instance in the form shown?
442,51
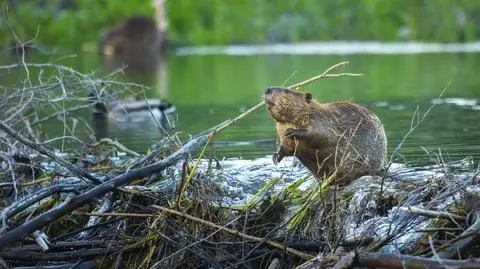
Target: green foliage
70,22
255,21
67,23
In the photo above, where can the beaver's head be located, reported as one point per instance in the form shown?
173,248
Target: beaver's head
112,41
286,105
136,32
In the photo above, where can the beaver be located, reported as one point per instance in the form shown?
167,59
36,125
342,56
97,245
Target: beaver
135,35
340,137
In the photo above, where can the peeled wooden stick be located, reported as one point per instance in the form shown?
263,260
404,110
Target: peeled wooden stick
432,213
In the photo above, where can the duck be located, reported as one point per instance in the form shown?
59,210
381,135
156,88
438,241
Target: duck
129,109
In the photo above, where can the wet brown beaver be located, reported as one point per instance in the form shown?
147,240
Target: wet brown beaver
342,136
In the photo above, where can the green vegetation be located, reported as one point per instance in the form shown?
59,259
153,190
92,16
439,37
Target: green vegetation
73,23
67,22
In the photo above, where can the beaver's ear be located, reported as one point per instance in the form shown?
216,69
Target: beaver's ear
308,96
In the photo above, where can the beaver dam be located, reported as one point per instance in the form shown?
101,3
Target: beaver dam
69,203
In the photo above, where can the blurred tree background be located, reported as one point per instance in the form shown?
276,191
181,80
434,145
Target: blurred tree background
73,23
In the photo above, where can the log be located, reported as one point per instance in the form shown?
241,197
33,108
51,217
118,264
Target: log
386,260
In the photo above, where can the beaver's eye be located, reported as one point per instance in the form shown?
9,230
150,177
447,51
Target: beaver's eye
308,96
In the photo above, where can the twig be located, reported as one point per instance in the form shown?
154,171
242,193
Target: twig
43,65
117,144
431,213
116,214
42,150
427,230
157,265
31,199
107,186
458,247
413,127
19,109
235,232
95,226
325,75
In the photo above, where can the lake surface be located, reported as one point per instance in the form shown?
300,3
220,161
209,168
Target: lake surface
209,88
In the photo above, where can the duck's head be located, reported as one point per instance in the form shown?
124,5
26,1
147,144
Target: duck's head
164,105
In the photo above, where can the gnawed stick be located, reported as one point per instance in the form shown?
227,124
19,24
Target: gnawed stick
235,232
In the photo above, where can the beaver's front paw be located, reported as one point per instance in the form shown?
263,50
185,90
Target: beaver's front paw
290,133
296,133
277,157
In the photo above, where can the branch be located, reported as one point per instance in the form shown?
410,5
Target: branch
324,75
59,256
42,150
31,199
387,260
235,232
460,246
97,191
431,213
116,144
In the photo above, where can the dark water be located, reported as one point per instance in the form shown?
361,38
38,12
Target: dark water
208,89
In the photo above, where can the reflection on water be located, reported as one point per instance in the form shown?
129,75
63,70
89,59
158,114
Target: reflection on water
208,89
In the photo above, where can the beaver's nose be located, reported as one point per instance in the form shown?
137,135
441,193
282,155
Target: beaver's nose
268,91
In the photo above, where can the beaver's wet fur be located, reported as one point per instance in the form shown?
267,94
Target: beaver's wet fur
342,136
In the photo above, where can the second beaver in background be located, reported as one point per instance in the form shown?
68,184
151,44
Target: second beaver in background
135,35
342,136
